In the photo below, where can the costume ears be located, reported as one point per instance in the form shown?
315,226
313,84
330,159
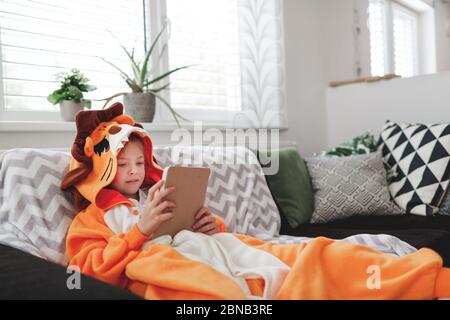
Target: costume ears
124,119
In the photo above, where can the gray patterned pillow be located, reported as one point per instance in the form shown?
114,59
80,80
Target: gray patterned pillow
237,190
347,186
34,213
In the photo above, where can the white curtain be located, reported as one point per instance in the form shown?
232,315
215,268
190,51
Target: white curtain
262,64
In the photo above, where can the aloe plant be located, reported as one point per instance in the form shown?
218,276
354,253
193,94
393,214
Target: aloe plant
141,82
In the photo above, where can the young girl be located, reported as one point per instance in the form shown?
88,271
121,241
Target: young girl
128,181
111,238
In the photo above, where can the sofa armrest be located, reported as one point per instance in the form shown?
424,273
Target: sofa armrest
24,276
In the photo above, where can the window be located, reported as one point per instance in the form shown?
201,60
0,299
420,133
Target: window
377,27
405,41
204,35
394,38
234,49
40,39
209,43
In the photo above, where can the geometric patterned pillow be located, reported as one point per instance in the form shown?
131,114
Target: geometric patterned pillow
34,212
348,186
419,156
237,190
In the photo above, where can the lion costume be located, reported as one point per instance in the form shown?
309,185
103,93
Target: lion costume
221,266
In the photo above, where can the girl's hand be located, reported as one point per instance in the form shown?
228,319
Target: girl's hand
205,222
155,209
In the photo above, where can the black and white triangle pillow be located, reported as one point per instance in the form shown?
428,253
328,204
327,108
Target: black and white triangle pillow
419,157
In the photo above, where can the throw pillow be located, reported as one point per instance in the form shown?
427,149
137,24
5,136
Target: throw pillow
347,186
291,186
34,212
237,190
418,154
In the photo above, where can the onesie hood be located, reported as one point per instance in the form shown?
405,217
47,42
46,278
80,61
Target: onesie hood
101,134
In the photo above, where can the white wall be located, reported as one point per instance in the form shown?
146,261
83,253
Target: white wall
442,37
353,109
340,51
306,51
61,135
319,49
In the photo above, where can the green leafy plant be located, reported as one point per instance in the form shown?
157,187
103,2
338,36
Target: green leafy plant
141,80
73,84
365,143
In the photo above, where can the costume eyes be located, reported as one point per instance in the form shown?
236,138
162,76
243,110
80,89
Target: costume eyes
102,146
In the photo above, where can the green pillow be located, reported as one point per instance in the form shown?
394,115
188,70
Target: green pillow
291,186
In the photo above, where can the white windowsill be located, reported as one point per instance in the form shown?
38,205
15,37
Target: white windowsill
59,126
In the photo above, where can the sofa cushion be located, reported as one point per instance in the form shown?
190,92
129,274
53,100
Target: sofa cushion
419,154
237,189
291,186
34,212
346,186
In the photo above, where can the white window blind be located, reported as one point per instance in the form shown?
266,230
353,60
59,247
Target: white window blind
393,39
377,27
204,34
405,41
42,38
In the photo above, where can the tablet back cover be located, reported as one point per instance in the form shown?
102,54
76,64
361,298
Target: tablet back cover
189,196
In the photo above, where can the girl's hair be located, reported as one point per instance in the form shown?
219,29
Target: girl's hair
133,137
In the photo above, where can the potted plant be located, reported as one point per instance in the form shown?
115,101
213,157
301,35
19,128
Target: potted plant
70,94
140,102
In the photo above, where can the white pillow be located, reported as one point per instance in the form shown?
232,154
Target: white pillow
419,155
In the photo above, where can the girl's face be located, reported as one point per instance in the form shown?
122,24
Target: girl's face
130,168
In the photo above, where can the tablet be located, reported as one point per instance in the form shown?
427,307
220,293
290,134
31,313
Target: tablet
189,196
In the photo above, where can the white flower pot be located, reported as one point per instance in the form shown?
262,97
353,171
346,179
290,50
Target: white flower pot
69,109
140,106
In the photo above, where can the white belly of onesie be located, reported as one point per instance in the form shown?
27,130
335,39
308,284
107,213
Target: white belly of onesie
227,254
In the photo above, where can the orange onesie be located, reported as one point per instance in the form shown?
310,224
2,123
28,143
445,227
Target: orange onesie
160,269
